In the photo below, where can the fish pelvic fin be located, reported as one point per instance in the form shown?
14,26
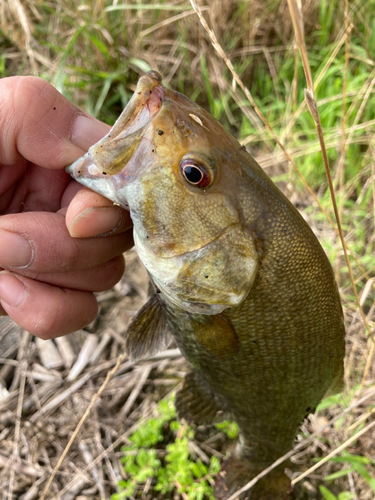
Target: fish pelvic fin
236,471
196,403
148,333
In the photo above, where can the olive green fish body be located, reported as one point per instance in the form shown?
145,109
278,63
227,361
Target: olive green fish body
241,282
283,349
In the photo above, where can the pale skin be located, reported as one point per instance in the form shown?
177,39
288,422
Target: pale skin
59,242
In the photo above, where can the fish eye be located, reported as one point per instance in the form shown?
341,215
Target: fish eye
195,173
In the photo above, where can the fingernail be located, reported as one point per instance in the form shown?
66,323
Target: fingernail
87,131
95,221
12,290
15,251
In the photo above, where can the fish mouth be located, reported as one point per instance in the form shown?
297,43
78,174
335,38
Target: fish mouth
142,107
110,155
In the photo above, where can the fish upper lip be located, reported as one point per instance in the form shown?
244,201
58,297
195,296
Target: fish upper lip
149,94
128,130
146,96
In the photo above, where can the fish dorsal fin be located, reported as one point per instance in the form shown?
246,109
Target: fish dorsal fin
148,333
217,335
196,403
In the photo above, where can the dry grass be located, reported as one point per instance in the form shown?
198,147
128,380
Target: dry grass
94,55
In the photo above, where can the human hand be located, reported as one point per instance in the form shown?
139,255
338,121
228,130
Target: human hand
47,278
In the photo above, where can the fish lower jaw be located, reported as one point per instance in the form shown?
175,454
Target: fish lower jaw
88,174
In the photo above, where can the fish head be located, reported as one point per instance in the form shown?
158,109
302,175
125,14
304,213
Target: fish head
176,169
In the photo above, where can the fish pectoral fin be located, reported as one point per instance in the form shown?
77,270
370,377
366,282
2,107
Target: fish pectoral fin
148,333
236,471
196,403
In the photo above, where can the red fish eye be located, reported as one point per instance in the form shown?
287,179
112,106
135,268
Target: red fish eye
195,173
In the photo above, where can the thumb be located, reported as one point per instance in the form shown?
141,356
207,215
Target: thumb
40,124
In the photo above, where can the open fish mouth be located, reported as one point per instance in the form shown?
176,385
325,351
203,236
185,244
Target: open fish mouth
111,154
142,107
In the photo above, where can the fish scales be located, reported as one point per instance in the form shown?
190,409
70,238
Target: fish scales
241,281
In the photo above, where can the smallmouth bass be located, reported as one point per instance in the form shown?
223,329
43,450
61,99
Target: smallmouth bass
241,282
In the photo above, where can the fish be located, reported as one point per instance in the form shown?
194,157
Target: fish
240,281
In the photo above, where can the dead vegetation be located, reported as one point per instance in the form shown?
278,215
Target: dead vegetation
94,55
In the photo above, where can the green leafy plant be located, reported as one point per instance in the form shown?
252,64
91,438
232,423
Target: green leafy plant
194,478
172,468
356,465
229,427
327,495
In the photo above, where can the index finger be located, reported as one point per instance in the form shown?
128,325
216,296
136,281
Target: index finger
40,124
90,214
